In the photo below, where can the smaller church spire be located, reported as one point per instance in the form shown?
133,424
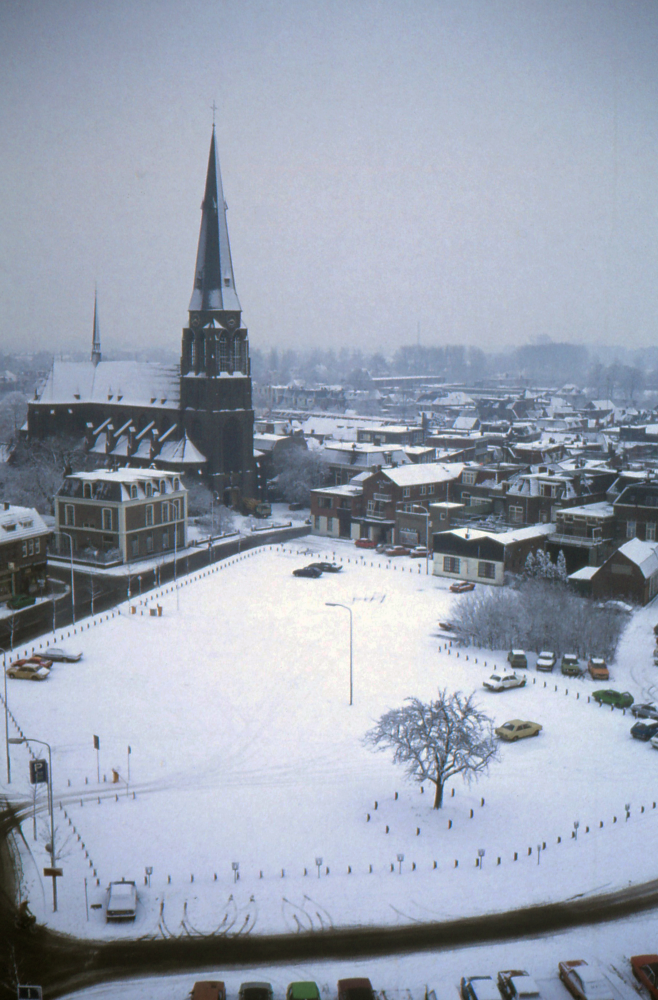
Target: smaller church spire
96,340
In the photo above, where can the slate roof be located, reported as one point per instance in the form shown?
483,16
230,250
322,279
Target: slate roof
131,383
643,554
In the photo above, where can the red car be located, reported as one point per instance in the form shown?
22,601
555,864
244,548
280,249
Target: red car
355,989
396,550
645,969
365,543
461,587
32,661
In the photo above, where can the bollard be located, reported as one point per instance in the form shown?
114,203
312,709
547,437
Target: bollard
559,840
418,831
376,805
481,802
456,864
283,873
450,824
471,814
169,879
413,866
191,878
370,869
386,829
392,868
367,817
497,861
600,824
349,869
452,794
396,796
435,866
516,856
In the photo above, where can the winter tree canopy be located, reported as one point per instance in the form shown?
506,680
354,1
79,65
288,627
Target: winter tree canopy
437,740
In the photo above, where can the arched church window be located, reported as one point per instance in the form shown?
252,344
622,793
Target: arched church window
223,353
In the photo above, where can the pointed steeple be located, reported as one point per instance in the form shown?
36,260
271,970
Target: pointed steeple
96,340
214,284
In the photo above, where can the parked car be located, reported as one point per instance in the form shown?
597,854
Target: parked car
20,601
303,991
570,666
61,655
517,729
645,970
645,710
446,626
503,680
28,671
255,991
461,587
546,660
207,990
355,989
516,984
517,659
644,730
420,552
598,669
620,699
654,742
365,543
311,571
297,505
396,550
478,988
121,901
584,982
31,661
326,567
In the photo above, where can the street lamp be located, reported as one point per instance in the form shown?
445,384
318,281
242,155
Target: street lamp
235,865
27,739
400,860
481,856
335,604
66,535
427,537
318,862
4,668
576,824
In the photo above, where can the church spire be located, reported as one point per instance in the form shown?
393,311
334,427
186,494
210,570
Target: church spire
214,284
96,340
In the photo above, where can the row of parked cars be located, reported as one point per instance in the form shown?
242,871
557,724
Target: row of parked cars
348,989
570,664
417,552
37,668
582,980
316,569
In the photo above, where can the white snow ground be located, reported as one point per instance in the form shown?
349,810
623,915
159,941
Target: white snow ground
244,749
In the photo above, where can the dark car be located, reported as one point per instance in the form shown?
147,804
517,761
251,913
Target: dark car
325,567
478,988
644,730
619,699
255,991
645,710
645,969
312,571
355,989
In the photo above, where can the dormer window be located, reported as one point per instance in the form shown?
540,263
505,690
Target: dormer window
133,491
86,490
176,484
163,486
148,490
227,282
10,527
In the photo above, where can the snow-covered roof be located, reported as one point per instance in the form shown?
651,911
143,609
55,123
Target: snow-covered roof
642,554
505,537
590,510
20,522
181,452
125,475
132,383
346,490
586,573
425,472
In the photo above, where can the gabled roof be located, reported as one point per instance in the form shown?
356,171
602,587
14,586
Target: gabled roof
643,554
131,383
20,522
425,472
181,452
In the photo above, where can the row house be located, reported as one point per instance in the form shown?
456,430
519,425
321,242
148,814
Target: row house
585,534
140,512
23,546
402,434
346,459
535,497
636,511
333,509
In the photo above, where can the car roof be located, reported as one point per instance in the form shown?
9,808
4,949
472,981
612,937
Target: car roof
302,991
485,988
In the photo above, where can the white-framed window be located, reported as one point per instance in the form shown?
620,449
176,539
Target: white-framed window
330,524
317,523
487,570
371,506
451,564
516,514
69,514
176,484
148,489
166,513
134,546
423,491
469,477
149,516
133,491
650,531
149,543
163,486
86,490
430,490
107,518
630,529
165,539
406,491
37,546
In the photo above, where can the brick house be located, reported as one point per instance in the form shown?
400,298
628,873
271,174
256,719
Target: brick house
636,512
334,507
23,543
631,573
585,534
141,512
535,497
408,489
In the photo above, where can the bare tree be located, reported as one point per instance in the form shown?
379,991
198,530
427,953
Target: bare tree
437,740
298,472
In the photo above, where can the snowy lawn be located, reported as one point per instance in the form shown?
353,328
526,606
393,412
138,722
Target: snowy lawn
245,749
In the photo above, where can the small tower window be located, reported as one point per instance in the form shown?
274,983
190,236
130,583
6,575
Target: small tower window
148,490
227,282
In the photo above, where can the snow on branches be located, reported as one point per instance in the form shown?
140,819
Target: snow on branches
437,740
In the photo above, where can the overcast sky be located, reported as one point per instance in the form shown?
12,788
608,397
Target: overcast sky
483,168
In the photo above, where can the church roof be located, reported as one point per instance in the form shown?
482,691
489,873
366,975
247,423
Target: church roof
214,284
181,452
133,383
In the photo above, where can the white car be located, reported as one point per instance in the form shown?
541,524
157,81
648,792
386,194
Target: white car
546,660
504,680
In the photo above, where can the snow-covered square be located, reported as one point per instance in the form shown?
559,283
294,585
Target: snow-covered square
249,792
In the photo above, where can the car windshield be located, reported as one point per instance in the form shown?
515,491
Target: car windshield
360,993
255,993
508,725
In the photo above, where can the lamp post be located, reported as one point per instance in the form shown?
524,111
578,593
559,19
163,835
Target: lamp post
70,538
27,739
481,853
318,862
334,604
427,537
576,824
400,860
4,669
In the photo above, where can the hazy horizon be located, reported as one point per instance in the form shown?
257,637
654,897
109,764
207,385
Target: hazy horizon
458,171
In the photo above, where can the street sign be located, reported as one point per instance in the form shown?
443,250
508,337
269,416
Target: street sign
38,772
53,872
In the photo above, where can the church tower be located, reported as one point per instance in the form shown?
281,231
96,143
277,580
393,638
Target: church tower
215,390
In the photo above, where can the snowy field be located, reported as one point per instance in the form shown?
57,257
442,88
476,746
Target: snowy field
244,749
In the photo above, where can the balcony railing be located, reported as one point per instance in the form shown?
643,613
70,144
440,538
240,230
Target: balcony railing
382,497
578,540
